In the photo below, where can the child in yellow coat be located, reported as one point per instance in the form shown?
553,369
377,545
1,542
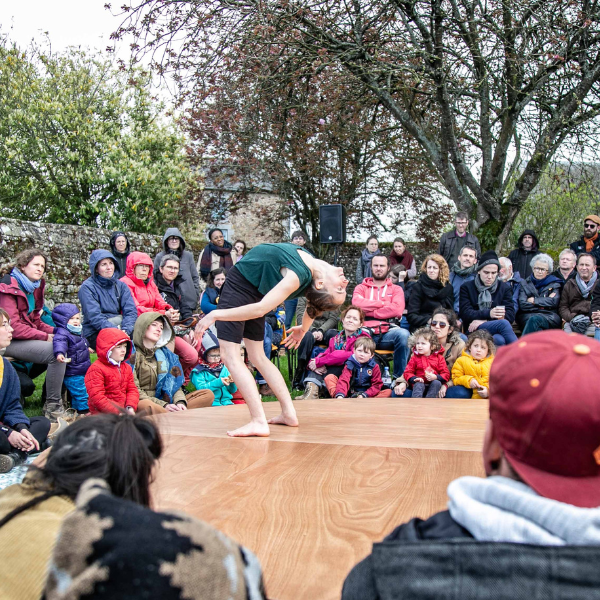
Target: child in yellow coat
472,369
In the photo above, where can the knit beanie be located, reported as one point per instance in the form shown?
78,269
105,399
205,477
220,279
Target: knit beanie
488,258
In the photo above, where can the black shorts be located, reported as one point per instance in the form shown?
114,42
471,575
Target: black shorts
238,291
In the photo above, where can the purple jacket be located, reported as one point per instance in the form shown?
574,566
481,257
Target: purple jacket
71,345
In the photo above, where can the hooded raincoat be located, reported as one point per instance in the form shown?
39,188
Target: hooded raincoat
145,294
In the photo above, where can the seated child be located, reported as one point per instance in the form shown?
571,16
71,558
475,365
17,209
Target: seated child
472,369
109,380
71,348
426,370
213,375
361,377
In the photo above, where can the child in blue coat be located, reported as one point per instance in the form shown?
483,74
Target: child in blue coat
212,374
70,347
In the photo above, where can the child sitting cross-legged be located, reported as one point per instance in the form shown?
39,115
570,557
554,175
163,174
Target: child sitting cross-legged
361,377
426,370
472,369
212,374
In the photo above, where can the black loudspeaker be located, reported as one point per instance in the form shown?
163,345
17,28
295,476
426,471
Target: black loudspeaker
332,219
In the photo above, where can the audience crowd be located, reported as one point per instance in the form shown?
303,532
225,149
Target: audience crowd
428,331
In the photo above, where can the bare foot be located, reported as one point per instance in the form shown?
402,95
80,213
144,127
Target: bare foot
289,420
252,429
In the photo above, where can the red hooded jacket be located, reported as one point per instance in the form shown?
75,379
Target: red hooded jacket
379,303
434,362
146,296
109,387
14,301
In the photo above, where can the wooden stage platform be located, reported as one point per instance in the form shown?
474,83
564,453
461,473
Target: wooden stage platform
310,501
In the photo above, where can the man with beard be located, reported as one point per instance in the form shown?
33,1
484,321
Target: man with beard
383,302
590,241
521,256
462,271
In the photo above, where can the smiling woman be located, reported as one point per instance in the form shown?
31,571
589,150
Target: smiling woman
268,275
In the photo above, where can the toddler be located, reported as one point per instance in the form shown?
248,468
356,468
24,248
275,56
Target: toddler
426,370
71,348
472,369
109,380
212,374
361,377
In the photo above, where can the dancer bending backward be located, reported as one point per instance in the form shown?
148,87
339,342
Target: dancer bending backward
268,275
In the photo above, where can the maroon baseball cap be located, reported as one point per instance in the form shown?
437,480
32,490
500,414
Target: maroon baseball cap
545,407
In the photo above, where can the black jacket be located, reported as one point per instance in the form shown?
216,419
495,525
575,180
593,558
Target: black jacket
439,559
558,274
469,307
579,247
543,304
448,246
173,295
425,298
521,258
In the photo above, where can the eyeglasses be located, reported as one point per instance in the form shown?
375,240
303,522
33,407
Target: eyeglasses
172,268
590,225
6,325
540,269
440,324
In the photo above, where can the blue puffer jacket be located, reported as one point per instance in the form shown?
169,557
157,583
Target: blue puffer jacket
103,298
69,344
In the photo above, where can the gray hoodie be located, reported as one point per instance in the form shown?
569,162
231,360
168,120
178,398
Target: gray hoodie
190,286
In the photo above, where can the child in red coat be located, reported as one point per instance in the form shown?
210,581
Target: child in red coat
426,370
109,381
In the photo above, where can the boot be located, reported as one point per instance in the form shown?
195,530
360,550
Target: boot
311,392
53,410
60,425
11,460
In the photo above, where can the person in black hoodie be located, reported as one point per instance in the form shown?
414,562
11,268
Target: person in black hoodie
120,248
432,290
529,247
169,283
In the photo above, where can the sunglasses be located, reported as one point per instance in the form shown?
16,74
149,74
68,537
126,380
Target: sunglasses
590,226
440,324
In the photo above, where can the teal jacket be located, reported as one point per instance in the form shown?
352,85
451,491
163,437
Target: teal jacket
205,380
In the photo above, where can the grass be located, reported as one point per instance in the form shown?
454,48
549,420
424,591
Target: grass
34,405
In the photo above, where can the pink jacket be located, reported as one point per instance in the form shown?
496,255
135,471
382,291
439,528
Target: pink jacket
146,296
333,357
14,301
379,303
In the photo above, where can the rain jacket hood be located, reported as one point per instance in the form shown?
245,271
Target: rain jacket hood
107,340
138,258
95,257
141,325
173,232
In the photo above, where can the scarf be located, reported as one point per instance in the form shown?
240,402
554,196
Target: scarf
213,368
463,272
485,293
586,288
405,259
366,257
540,284
24,282
170,374
224,254
74,329
431,287
589,243
340,340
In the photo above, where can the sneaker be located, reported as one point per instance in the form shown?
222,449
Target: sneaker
311,392
7,462
60,425
53,410
70,415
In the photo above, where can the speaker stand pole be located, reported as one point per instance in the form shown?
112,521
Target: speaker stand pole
335,255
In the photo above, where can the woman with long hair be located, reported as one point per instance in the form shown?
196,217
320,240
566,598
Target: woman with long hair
268,275
214,285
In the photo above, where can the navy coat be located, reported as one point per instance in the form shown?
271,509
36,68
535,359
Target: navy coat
69,344
469,307
103,298
11,411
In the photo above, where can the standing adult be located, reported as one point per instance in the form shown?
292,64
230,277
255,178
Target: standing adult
452,241
463,270
539,297
567,260
19,435
214,285
22,297
486,302
576,298
106,302
590,240
240,248
298,239
520,257
401,256
363,266
218,254
120,248
173,243
432,290
383,305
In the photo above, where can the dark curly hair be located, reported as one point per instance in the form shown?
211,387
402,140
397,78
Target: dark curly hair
429,335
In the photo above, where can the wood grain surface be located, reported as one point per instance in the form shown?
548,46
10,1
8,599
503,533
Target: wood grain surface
311,510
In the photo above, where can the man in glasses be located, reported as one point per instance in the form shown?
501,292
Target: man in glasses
590,241
453,241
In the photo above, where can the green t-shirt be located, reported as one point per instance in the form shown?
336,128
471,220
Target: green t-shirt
262,266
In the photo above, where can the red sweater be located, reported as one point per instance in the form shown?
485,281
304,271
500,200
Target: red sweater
434,362
379,303
111,388
146,296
